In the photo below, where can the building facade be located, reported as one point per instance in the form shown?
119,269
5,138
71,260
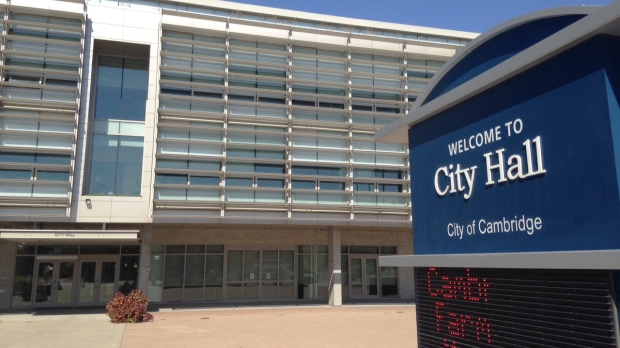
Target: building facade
204,151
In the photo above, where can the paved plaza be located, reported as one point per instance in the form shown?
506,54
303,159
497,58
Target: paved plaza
278,326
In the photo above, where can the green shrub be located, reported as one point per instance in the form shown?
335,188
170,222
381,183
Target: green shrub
129,309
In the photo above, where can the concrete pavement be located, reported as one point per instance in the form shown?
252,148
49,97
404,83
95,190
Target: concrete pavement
274,326
49,329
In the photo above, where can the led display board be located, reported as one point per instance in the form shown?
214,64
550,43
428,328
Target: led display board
459,307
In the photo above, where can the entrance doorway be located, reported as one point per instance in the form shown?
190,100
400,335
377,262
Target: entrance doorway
260,274
363,272
54,283
97,281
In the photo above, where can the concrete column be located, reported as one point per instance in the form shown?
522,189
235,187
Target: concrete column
335,268
145,258
7,270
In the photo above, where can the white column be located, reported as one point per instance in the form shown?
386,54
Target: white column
335,268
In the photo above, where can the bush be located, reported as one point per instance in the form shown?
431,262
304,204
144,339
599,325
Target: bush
129,309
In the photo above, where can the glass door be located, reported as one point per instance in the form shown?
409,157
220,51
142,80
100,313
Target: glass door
270,275
278,273
55,283
251,274
363,282
97,281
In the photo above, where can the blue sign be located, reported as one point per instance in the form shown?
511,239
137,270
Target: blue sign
529,165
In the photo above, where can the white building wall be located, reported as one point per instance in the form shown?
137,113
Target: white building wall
126,25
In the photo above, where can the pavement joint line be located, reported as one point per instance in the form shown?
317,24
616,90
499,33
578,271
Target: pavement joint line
351,306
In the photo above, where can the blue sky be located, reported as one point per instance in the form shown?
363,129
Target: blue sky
465,15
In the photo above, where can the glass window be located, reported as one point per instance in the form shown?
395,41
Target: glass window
300,170
109,87
52,176
328,185
322,276
57,250
195,249
388,174
99,249
204,180
287,265
203,165
362,107
172,164
175,249
366,200
269,168
214,276
13,157
305,198
344,263
251,265
271,100
274,183
116,167
305,249
239,167
120,94
242,182
364,173
235,266
242,153
121,88
278,155
156,275
363,187
388,250
15,174
171,179
158,249
331,105
329,171
390,188
388,110
173,278
363,250
194,277
304,185
324,171
58,82
26,249
130,249
215,249
304,102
